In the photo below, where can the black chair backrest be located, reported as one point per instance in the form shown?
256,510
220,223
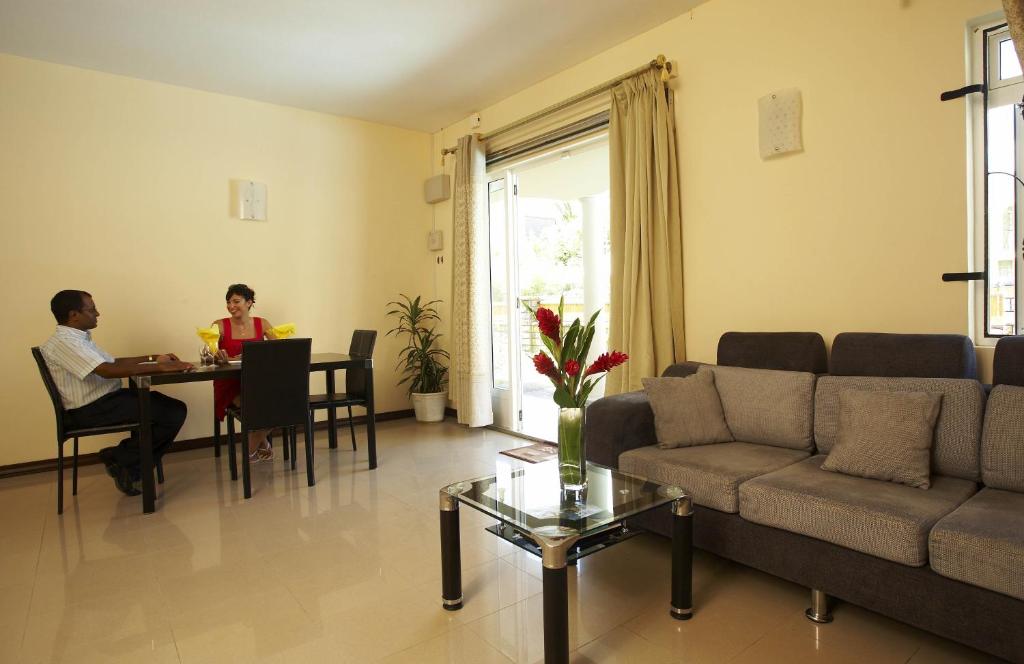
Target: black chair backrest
903,355
1008,362
362,345
51,389
275,383
784,351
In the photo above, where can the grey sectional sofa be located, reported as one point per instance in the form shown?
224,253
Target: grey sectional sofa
949,559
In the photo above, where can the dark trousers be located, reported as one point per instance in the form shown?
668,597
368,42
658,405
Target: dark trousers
168,415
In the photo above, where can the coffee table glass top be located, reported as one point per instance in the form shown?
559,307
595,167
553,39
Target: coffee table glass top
528,496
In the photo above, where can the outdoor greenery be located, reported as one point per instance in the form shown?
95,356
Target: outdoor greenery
422,363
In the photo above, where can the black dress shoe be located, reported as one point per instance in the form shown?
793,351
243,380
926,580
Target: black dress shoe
123,482
109,461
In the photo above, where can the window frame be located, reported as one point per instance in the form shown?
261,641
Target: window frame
983,40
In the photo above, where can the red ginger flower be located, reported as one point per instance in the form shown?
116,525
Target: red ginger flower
545,365
606,362
549,324
572,368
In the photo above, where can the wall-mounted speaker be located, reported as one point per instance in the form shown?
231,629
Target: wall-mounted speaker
437,189
779,115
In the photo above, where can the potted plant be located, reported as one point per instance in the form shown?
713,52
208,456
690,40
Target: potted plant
422,363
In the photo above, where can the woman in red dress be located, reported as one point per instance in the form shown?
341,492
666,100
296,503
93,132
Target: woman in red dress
240,327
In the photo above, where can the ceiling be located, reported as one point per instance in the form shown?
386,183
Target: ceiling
420,64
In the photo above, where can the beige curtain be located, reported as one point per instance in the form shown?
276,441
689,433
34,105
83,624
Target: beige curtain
1015,19
646,232
470,380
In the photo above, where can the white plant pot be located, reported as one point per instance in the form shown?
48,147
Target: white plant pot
429,406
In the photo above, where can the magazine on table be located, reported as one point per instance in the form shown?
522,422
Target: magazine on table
536,453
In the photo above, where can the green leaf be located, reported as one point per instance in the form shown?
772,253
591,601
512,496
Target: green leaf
569,344
563,398
420,362
585,348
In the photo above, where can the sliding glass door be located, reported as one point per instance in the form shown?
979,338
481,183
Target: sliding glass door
549,240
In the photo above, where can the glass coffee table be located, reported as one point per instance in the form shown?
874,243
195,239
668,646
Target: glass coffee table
560,527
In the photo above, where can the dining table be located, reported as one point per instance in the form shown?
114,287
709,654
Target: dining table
326,362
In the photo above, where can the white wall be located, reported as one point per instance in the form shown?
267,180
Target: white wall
121,187
854,233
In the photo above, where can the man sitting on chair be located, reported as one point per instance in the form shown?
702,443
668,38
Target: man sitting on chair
89,381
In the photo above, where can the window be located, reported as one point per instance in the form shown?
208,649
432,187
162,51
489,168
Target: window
998,165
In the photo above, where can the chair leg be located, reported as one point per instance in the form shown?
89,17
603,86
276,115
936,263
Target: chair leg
294,435
160,471
216,435
60,478
74,471
231,448
246,480
352,428
310,479
285,433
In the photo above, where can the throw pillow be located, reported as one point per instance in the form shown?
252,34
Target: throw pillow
885,436
687,411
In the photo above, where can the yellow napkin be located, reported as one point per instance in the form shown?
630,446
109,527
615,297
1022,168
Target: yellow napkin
210,336
283,331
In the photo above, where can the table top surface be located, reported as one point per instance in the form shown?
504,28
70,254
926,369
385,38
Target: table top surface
529,497
317,362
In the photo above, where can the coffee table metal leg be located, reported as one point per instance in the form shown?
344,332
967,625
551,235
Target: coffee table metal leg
556,615
682,558
451,556
555,545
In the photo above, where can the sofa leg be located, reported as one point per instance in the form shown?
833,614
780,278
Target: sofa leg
818,612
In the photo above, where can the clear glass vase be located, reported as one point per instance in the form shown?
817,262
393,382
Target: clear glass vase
572,451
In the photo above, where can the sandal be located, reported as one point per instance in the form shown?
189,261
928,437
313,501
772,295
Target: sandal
262,453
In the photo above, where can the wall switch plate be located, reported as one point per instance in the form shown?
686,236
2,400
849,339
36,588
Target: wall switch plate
435,240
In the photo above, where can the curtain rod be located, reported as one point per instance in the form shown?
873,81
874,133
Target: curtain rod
658,63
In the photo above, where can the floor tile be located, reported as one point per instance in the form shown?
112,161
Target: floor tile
348,571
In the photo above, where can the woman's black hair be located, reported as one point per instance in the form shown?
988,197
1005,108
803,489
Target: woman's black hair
242,290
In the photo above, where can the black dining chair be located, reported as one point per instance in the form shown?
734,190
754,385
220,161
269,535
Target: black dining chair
275,394
355,394
270,437
66,433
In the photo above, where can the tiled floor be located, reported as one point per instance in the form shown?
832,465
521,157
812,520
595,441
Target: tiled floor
349,571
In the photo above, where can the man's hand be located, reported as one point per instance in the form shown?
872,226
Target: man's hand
168,357
171,366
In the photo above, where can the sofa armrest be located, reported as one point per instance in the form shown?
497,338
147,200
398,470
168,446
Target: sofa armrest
617,424
681,369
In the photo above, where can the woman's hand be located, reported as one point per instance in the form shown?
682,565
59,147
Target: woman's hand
221,357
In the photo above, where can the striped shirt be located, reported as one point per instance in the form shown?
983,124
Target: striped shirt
71,356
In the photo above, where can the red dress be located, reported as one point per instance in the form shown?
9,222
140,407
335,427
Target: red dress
226,390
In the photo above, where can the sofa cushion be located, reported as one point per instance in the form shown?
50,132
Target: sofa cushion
787,351
982,542
710,473
1002,441
767,406
885,436
687,411
1008,361
920,355
955,451
882,519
